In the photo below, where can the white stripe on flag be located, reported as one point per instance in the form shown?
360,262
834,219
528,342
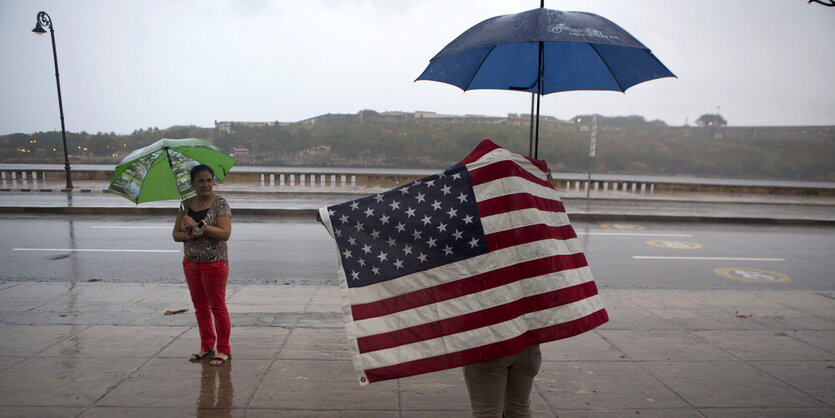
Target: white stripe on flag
510,186
481,336
465,268
473,302
521,218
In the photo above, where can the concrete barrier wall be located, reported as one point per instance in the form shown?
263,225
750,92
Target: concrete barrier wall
348,180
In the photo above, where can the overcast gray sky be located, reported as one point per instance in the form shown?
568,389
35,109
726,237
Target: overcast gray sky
130,64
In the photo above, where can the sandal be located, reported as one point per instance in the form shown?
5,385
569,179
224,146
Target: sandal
221,360
198,357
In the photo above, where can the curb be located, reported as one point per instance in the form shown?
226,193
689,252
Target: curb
311,213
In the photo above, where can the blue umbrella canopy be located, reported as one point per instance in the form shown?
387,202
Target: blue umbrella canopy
545,51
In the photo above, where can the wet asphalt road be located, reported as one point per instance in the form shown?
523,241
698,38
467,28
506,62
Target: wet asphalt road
299,251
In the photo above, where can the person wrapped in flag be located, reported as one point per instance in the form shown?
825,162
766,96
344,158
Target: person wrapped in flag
459,268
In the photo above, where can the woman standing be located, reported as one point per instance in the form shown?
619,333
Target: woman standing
203,227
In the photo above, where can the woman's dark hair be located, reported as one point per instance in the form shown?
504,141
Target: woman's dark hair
198,168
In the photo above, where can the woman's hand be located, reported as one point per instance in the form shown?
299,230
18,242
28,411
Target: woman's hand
195,235
188,224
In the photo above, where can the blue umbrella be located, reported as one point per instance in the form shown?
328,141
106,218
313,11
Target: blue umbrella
544,51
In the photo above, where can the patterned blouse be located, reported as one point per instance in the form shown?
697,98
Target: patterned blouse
206,249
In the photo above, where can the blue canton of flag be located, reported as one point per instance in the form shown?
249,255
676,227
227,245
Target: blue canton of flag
425,224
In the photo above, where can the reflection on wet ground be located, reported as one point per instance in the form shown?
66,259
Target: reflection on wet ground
216,389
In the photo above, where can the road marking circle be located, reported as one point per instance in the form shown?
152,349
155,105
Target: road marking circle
752,275
677,245
623,227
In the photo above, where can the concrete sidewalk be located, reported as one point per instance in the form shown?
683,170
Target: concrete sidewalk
102,349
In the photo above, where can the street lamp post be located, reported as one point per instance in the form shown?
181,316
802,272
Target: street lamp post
45,21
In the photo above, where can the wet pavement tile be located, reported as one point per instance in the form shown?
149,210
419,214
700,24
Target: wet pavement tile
820,304
81,297
437,414
31,295
648,321
8,362
170,298
603,385
271,413
64,381
325,294
794,322
264,307
39,412
273,295
178,383
747,302
763,345
316,344
620,413
589,346
768,412
320,320
674,304
727,385
823,339
326,299
664,346
246,342
7,284
625,313
622,301
815,378
726,321
27,340
444,390
130,412
322,385
116,341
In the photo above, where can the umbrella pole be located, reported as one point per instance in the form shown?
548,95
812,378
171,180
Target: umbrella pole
538,101
530,141
168,158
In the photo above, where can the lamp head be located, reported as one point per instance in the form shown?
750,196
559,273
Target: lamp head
42,21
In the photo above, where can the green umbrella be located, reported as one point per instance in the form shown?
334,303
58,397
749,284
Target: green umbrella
160,171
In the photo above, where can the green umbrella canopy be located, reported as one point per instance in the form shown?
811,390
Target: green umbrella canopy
160,171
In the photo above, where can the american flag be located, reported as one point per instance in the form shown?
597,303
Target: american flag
474,263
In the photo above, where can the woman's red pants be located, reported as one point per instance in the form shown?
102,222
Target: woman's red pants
207,285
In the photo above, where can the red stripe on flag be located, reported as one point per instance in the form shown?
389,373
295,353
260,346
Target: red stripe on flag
517,201
489,351
468,285
483,148
540,164
526,234
503,169
477,319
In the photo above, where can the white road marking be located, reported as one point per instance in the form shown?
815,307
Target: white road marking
90,250
128,227
646,257
635,234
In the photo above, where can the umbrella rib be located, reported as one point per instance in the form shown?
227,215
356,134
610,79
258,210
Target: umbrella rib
612,73
168,157
469,83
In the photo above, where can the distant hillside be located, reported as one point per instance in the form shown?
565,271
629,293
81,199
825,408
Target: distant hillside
625,145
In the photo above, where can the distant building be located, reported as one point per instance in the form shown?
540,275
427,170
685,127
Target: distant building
228,127
240,150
